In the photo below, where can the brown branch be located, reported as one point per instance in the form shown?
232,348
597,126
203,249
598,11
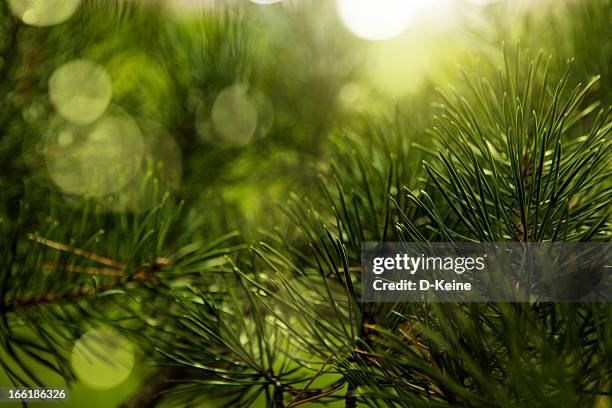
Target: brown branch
117,269
351,269
424,352
143,275
90,270
77,251
350,400
318,396
7,306
299,394
278,398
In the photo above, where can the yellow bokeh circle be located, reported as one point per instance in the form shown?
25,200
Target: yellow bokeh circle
96,159
43,13
80,91
102,358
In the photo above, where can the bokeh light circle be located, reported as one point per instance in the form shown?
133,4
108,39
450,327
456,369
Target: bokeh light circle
350,94
265,114
234,115
375,19
80,90
102,358
203,123
265,2
43,13
96,159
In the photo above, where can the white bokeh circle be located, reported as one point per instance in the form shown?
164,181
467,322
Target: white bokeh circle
234,115
80,91
43,13
96,159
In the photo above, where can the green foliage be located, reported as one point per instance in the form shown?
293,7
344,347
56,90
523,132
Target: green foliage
236,303
520,162
497,170
99,267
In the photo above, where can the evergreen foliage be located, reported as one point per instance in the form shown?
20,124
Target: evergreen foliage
235,302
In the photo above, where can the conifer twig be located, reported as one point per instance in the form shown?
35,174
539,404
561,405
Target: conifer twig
314,377
318,396
91,270
77,251
117,269
51,297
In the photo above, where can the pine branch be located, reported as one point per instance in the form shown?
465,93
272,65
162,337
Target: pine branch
296,399
278,396
512,158
12,305
77,251
350,400
317,395
118,269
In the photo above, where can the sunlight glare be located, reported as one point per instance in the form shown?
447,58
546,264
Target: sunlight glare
375,19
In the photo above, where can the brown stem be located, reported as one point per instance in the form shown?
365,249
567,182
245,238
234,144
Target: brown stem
278,397
77,251
317,394
118,269
6,306
350,400
90,270
319,371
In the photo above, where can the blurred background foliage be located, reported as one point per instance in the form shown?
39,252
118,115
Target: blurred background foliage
188,120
